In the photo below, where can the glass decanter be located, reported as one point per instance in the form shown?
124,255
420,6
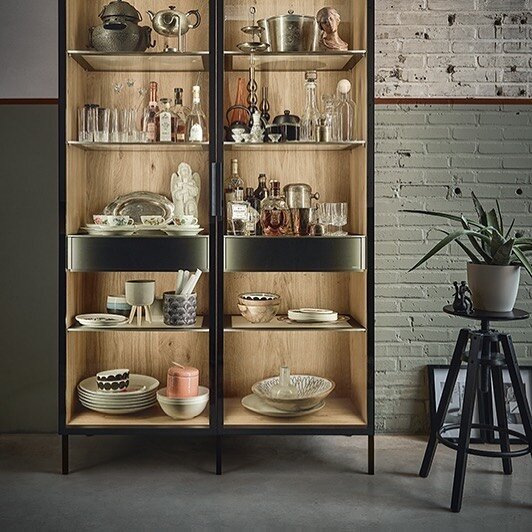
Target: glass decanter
310,117
275,214
256,133
197,127
284,389
329,115
345,112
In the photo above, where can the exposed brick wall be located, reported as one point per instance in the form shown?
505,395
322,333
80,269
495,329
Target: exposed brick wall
448,48
433,157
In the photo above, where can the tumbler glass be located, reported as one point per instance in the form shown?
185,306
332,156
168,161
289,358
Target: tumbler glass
119,125
101,133
86,123
324,215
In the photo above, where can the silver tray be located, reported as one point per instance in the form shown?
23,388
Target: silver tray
137,204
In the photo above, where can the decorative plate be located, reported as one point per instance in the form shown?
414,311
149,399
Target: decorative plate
314,315
257,405
137,204
100,320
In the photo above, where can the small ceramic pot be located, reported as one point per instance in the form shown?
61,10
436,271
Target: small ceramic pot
118,305
182,381
140,292
493,288
179,309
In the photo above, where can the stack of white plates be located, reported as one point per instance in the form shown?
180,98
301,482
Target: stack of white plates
310,315
95,229
140,395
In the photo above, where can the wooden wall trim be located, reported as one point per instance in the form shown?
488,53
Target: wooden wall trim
453,101
29,101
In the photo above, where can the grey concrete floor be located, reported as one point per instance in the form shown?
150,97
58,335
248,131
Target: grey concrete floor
269,483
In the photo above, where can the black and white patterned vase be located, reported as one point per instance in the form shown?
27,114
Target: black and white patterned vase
178,309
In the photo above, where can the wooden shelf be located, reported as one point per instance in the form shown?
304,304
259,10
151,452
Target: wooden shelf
139,146
240,324
294,146
294,61
201,325
153,417
337,411
141,61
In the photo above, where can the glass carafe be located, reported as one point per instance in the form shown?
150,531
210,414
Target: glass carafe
284,390
345,112
275,214
310,117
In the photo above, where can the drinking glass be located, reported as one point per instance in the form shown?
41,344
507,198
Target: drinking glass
101,133
324,215
119,125
339,217
86,123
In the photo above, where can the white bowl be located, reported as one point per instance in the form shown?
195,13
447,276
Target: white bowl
203,394
183,410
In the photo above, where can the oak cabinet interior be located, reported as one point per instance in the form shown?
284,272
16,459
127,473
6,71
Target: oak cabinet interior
230,359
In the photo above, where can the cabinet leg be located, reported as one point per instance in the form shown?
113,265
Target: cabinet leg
371,455
218,455
467,417
64,454
447,393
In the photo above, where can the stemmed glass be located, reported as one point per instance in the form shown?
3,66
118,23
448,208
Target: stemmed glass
339,217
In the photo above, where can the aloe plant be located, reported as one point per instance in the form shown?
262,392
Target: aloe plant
484,241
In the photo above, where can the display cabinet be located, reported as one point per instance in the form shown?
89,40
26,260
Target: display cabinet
307,271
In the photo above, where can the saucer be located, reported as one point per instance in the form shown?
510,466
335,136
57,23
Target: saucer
194,226
182,230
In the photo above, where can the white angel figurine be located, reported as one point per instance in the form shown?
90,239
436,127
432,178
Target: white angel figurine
186,187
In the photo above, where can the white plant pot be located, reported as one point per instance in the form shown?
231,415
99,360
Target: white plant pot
494,288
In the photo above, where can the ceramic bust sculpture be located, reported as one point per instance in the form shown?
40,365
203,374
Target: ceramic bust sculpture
186,187
328,20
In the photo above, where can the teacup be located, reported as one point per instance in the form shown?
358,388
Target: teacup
152,220
186,219
112,220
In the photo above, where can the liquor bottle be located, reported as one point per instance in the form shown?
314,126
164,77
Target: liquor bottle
233,182
260,194
167,122
345,112
237,214
181,113
310,117
197,130
150,115
275,215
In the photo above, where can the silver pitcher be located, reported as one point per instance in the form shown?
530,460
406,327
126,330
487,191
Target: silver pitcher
172,23
290,33
299,195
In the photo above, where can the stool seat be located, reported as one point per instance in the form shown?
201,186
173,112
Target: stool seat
485,363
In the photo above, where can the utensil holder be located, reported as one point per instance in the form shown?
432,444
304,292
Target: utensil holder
179,310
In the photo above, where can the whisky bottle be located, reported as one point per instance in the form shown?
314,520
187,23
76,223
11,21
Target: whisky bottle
181,113
197,130
238,214
167,122
150,115
275,215
232,183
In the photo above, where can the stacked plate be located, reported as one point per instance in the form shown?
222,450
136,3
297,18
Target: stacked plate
312,315
183,230
139,395
107,230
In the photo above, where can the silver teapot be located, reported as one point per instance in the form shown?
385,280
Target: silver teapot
120,30
172,23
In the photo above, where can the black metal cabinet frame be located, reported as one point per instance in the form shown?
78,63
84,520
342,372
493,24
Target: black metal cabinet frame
216,261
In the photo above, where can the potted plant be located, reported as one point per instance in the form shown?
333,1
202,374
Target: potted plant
495,256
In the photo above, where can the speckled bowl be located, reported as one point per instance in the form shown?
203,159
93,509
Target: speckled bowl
258,307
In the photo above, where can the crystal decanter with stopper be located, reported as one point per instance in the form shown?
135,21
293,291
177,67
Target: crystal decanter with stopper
284,389
275,214
345,112
311,115
197,130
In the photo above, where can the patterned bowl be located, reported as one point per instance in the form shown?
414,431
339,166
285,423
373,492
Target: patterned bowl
311,390
258,307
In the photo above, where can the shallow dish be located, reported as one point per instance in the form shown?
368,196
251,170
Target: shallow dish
111,402
100,320
310,389
312,315
137,204
257,405
118,411
258,307
183,231
178,408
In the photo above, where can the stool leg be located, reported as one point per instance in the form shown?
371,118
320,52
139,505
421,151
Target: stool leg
502,420
517,383
447,393
467,417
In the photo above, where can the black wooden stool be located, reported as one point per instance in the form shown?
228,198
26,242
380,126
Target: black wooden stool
484,358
